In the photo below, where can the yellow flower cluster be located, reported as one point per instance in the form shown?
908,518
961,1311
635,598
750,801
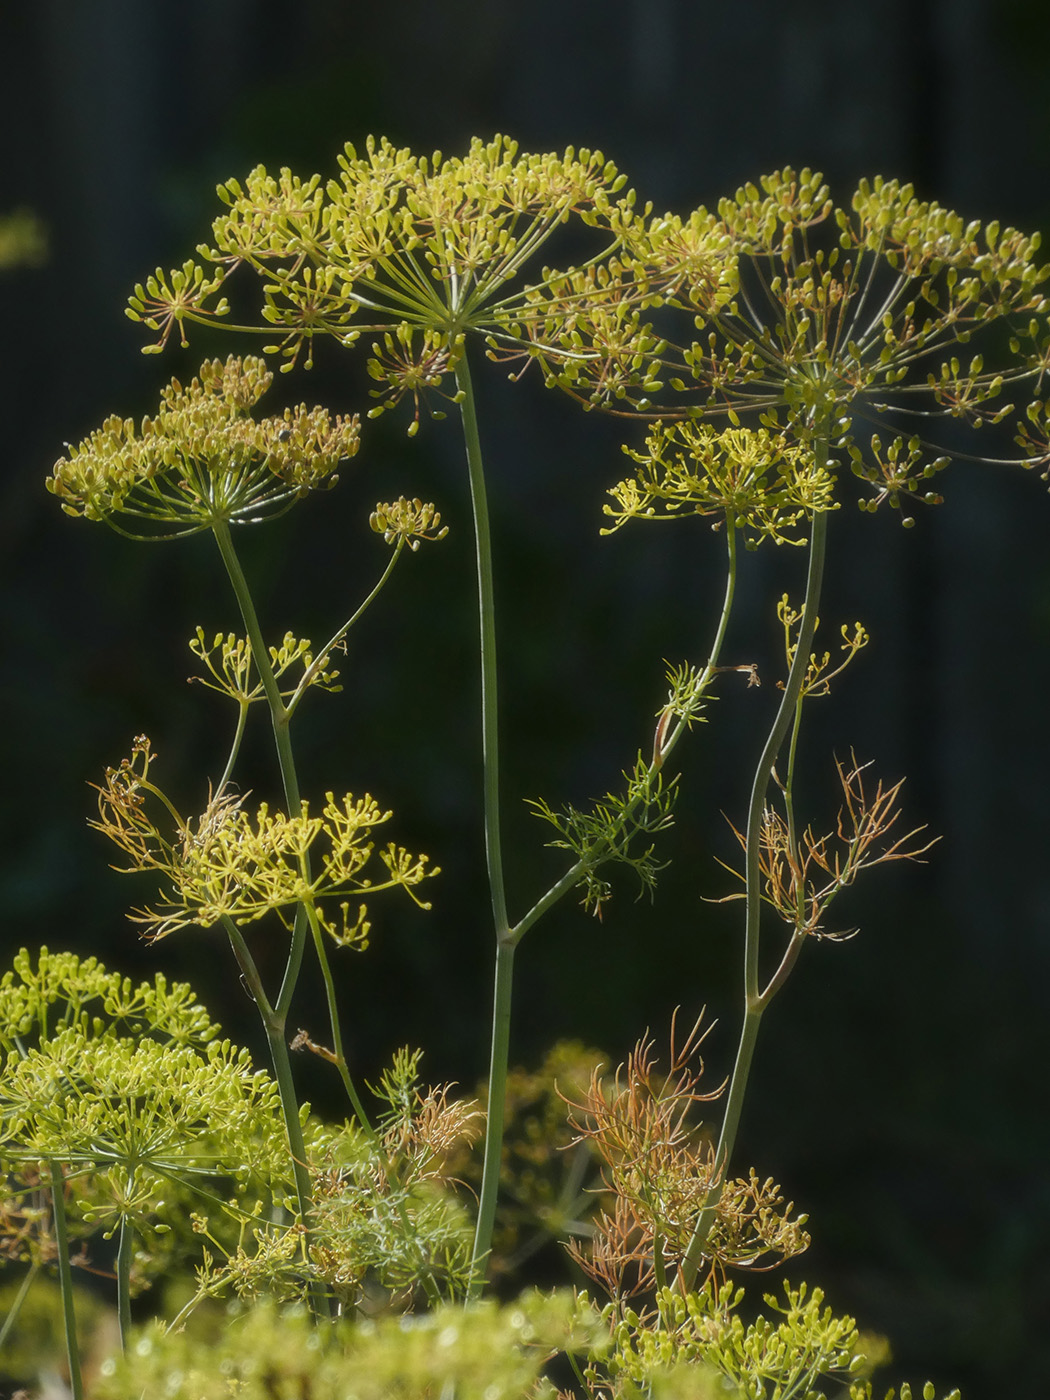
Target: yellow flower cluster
230,864
202,459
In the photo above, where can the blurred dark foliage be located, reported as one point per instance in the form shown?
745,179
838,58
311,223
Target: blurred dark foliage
899,1094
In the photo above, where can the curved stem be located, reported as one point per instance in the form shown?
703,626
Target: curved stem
756,1001
662,749
65,1278
337,637
235,747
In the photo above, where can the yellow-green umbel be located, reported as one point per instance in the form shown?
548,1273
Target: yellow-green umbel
203,459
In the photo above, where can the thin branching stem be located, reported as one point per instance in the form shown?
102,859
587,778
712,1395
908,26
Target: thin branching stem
571,878
338,636
755,999
338,1055
275,1022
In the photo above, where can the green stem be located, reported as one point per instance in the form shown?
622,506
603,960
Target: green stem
338,636
339,1058
755,1000
235,748
282,1068
278,711
504,975
487,621
789,782
274,1018
667,746
785,713
16,1306
281,716
65,1279
125,1254
274,1023
493,1156
249,970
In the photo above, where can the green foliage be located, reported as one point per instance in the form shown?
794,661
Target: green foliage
31,1325
482,1353
609,832
60,991
765,1359
131,1092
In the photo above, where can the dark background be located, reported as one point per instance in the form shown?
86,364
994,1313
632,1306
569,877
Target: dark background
899,1091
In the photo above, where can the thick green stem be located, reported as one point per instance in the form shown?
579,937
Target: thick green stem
282,1069
487,621
65,1279
756,1000
504,978
274,1023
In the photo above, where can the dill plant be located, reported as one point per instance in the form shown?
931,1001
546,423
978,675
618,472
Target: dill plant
769,347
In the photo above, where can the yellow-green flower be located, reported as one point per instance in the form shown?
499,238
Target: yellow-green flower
230,864
417,250
203,459
760,482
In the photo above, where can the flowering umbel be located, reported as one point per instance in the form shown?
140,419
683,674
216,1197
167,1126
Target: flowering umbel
761,482
414,251
822,319
203,459
230,864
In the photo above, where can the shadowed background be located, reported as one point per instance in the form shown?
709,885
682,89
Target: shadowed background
898,1090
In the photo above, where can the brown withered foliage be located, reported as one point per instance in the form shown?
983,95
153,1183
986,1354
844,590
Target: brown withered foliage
802,876
658,1163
